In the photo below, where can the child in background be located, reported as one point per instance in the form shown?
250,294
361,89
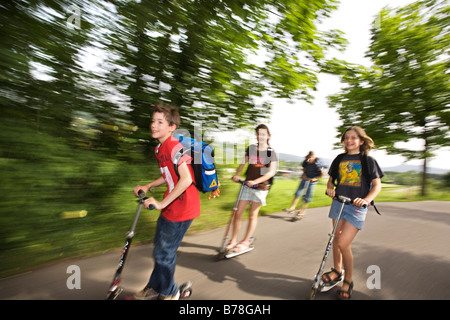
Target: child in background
351,183
312,172
180,205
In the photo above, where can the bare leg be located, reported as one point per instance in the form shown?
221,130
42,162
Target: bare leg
337,256
344,242
252,221
303,208
238,219
294,203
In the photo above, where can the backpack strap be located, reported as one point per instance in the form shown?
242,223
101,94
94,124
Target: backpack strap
366,172
177,157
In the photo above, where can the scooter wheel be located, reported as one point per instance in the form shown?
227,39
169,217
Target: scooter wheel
220,256
114,294
312,293
186,294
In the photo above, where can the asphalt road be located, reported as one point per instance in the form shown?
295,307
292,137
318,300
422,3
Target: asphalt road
407,246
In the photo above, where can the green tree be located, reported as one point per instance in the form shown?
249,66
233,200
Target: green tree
197,55
405,95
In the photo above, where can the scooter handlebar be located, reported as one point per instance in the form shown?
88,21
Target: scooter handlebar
346,200
245,182
141,195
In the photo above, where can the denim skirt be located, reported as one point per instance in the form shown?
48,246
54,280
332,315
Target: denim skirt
355,215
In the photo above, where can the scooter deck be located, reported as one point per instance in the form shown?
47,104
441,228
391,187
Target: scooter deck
297,216
324,287
232,254
185,292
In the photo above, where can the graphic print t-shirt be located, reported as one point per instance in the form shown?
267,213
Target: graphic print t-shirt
350,173
351,181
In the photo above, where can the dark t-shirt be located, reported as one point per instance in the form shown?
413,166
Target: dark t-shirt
351,182
312,170
258,161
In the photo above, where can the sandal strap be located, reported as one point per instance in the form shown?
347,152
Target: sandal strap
347,292
335,271
327,276
244,243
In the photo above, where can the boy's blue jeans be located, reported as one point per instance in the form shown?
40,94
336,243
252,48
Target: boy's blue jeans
168,238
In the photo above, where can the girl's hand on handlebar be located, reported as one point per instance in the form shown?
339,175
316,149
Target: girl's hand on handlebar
358,202
331,192
251,184
236,178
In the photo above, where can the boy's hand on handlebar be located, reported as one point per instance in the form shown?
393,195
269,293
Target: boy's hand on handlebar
137,188
152,202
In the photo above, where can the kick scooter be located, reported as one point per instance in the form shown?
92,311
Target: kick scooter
318,285
223,252
115,290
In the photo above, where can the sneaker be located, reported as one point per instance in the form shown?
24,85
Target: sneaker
174,297
297,217
146,294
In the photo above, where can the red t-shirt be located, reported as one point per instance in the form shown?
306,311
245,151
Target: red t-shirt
187,205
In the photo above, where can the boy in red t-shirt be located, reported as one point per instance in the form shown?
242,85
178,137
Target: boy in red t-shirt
180,205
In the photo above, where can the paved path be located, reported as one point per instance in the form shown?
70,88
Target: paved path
409,243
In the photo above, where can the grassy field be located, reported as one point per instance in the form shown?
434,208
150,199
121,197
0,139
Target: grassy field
43,236
216,212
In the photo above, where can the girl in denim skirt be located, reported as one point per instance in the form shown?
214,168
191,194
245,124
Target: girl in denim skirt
362,189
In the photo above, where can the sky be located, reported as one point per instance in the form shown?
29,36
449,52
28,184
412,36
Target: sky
313,126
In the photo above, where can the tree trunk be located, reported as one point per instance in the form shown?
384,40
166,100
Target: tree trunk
424,177
424,170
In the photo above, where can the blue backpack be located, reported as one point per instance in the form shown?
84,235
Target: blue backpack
202,154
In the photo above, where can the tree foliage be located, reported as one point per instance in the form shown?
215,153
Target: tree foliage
216,60
405,95
77,82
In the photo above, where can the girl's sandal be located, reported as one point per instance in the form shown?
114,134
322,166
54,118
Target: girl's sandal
345,294
327,280
231,245
242,246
